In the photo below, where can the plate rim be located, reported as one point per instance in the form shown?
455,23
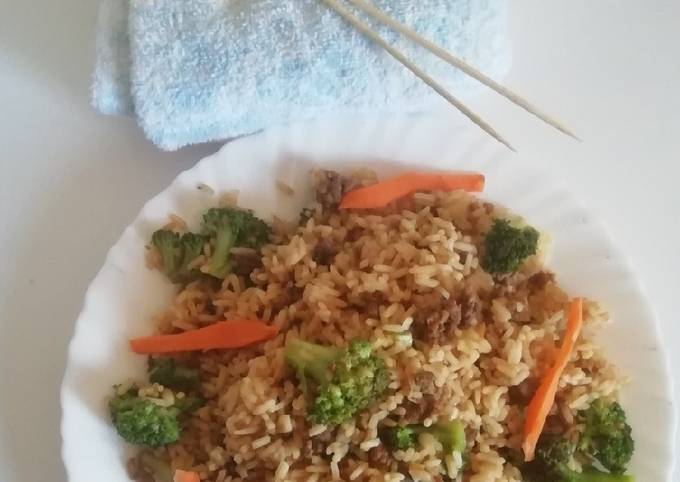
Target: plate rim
281,134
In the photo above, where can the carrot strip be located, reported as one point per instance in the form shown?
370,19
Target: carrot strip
224,334
384,192
185,476
544,398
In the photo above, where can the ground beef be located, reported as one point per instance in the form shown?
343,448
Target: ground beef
402,468
317,445
309,449
454,310
346,468
290,295
523,316
419,410
354,234
473,206
330,186
521,394
230,467
244,262
516,290
554,424
379,458
510,284
257,474
425,382
136,472
436,323
539,280
470,307
369,304
507,284
428,326
324,252
427,301
293,293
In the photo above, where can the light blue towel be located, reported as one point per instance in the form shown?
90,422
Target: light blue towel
201,70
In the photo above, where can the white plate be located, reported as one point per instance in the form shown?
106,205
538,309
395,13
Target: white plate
125,294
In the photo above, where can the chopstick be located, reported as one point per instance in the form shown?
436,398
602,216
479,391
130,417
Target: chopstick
366,30
456,62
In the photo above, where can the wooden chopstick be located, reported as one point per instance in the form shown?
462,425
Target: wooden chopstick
366,30
456,62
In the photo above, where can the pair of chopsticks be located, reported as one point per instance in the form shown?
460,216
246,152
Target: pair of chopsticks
384,18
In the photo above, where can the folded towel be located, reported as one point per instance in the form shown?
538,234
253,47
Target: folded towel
200,70
111,92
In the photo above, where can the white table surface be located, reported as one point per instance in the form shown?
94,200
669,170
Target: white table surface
70,179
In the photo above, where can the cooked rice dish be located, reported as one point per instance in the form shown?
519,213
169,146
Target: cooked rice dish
453,344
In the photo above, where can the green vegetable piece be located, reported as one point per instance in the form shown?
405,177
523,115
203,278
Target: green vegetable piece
551,464
607,437
228,228
506,247
177,253
399,438
340,382
142,422
254,232
450,434
192,248
169,246
167,372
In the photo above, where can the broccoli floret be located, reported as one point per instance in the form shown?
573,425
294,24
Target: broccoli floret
399,438
227,228
606,441
222,225
506,247
140,421
339,382
167,372
177,252
551,464
552,458
450,434
594,475
607,436
254,233
192,248
168,245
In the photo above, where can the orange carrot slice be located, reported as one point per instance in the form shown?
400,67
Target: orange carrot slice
381,194
544,398
185,476
224,334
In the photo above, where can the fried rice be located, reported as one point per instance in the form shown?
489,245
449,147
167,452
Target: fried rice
459,344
